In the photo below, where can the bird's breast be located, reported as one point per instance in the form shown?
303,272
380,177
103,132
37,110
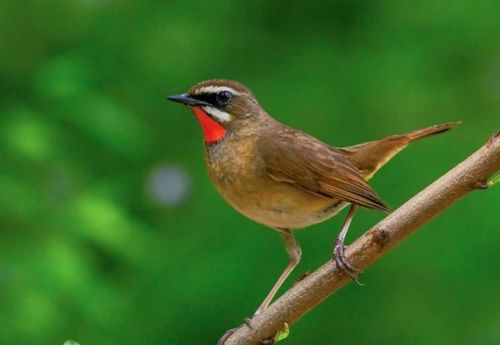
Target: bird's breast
240,177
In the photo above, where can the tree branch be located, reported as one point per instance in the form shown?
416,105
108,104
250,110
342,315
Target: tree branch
470,175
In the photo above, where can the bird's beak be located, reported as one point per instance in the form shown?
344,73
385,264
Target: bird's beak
186,99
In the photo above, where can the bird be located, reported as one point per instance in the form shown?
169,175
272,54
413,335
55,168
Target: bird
281,177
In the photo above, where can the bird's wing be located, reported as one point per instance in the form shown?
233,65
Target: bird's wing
298,159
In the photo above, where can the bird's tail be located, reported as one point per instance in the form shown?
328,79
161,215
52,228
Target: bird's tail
369,157
436,129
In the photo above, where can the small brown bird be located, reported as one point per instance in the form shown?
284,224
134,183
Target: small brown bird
281,177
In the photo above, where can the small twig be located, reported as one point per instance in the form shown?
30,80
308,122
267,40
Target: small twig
472,174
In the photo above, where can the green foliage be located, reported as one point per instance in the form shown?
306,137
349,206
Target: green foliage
93,249
494,179
283,334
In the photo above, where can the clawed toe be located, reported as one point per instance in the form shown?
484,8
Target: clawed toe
247,321
226,335
302,277
341,260
344,265
282,334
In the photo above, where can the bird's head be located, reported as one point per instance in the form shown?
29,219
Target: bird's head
220,106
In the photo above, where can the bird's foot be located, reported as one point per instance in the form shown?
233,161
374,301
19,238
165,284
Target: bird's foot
302,277
247,322
343,264
226,335
271,341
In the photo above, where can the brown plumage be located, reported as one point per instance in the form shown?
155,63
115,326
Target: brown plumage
282,177
316,168
370,156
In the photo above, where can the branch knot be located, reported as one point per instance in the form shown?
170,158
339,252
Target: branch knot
381,236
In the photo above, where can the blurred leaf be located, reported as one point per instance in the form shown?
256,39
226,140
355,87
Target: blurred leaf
283,334
494,179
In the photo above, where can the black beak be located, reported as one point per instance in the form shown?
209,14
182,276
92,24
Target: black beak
186,99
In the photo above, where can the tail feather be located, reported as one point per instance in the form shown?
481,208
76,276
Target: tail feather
436,129
369,157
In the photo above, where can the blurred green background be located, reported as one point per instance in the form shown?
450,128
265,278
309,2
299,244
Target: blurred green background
111,232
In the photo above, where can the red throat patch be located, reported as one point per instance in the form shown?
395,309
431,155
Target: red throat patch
212,131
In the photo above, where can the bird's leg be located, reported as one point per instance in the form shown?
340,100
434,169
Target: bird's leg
294,253
338,250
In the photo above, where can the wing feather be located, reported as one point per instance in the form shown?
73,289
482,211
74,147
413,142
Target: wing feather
293,157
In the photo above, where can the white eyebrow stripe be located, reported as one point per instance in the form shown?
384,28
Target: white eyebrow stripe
215,89
221,115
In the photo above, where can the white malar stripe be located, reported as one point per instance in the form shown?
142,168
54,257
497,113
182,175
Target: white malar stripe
220,115
216,89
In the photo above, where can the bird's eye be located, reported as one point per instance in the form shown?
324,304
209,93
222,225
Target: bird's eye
224,97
